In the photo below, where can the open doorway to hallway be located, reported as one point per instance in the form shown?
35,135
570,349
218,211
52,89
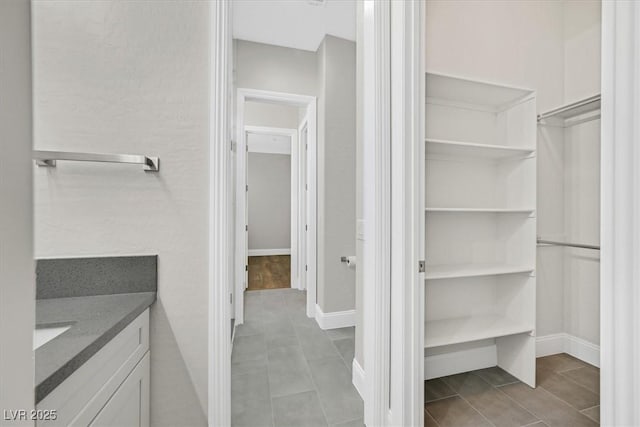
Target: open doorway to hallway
295,336
272,197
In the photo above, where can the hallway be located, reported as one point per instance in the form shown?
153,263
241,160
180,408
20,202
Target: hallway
286,371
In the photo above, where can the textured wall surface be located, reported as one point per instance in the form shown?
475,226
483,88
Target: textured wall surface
132,77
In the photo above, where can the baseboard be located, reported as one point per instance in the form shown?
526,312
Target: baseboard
335,319
441,365
269,252
550,344
565,343
358,377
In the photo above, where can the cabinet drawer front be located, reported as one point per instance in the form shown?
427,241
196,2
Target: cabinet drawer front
81,396
129,406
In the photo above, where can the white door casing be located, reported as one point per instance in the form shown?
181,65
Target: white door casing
620,215
292,134
220,273
308,102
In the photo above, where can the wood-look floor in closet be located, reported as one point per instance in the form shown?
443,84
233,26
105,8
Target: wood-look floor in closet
568,394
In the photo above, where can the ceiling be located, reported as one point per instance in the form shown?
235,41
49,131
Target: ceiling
299,24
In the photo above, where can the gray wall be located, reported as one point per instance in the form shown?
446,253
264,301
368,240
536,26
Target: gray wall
17,271
328,74
274,115
280,69
336,172
269,201
132,77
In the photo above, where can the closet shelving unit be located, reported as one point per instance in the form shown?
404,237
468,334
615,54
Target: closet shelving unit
480,286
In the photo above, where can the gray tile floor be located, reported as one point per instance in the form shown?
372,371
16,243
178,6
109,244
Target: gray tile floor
567,394
286,371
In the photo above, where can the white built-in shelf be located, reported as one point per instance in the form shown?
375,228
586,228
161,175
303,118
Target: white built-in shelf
471,328
442,147
457,90
481,210
454,271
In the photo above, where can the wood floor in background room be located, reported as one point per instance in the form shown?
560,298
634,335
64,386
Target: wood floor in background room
568,394
269,272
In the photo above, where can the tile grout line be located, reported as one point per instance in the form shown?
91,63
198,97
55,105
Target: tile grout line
266,347
557,398
561,373
427,413
561,399
441,398
469,403
315,386
495,387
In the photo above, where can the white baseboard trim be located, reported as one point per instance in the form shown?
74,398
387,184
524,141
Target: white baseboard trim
441,365
358,377
335,319
565,343
547,345
268,252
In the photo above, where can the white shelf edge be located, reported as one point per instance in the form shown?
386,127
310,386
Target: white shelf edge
455,272
480,210
475,145
479,327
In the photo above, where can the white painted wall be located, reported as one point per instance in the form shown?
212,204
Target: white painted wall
132,77
17,272
582,30
522,44
269,177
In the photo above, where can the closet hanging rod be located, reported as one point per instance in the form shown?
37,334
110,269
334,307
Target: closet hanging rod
575,108
572,245
48,158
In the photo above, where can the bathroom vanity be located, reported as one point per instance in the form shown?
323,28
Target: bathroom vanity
92,340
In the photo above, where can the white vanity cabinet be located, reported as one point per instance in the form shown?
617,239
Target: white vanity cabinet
109,389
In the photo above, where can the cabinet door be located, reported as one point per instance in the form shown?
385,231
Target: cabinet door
129,405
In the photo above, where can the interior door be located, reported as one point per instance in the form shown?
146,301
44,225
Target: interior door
302,201
246,213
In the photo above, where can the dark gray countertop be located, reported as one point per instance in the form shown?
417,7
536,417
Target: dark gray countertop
95,321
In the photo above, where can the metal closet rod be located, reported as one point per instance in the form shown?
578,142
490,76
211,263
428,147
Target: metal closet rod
569,107
49,158
572,245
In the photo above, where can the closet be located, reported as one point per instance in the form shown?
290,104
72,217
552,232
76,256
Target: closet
569,230
480,227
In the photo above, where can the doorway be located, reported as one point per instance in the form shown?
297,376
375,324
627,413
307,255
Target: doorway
302,153
272,208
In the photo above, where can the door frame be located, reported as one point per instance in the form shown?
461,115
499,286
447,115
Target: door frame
620,222
302,195
244,95
393,211
292,134
220,271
